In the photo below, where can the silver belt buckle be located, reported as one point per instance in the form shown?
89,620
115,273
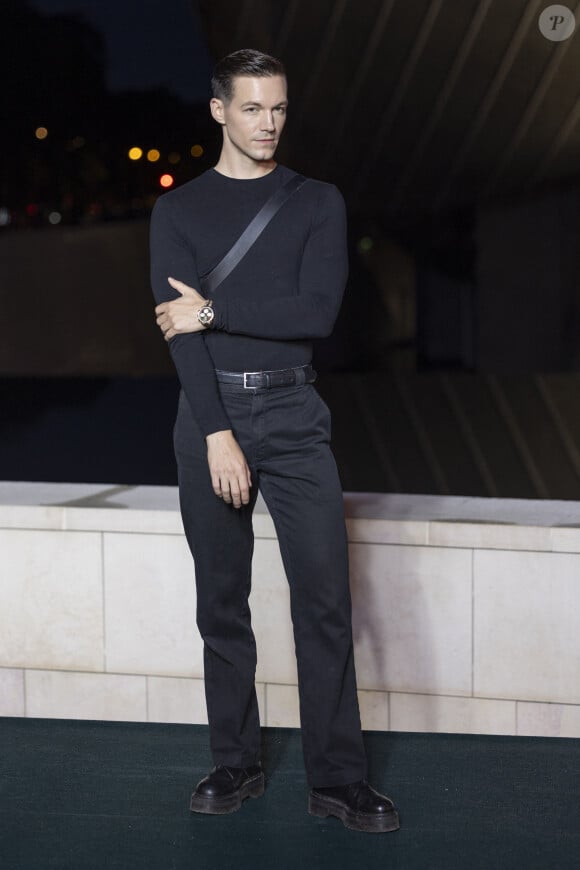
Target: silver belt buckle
246,385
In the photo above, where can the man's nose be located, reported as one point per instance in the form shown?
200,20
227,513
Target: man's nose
268,121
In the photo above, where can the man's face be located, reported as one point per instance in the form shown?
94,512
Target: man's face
255,117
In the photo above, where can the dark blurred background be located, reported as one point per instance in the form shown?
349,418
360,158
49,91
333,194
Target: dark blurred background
453,131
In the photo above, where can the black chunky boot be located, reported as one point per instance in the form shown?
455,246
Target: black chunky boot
359,807
224,789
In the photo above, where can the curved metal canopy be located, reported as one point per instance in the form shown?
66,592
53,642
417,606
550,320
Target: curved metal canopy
417,106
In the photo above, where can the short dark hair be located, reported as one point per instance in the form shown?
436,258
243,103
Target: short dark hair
245,62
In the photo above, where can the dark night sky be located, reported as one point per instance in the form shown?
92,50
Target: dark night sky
149,43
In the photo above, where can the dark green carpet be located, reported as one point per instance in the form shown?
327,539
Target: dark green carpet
79,795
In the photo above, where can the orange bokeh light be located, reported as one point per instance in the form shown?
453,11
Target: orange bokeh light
166,180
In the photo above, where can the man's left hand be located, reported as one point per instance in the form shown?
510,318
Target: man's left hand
180,315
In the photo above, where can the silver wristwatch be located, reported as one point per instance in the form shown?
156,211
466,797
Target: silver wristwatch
206,314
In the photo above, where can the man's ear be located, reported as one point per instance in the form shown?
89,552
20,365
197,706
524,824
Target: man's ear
216,108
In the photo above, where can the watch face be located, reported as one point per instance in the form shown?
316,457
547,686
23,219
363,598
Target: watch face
206,314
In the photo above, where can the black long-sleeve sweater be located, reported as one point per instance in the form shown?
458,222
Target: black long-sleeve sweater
286,291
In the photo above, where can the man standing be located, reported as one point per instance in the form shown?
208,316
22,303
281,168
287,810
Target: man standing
249,419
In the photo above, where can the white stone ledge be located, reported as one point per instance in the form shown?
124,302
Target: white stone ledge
464,610
123,697
417,520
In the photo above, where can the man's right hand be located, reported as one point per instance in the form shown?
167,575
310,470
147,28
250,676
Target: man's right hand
230,475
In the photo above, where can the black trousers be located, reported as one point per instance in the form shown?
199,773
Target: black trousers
284,433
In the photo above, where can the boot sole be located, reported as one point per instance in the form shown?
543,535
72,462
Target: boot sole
219,806
370,823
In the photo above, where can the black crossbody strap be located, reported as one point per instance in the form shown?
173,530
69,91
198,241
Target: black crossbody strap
257,225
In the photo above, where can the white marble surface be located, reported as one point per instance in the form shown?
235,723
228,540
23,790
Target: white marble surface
523,512
548,720
492,535
271,622
282,706
374,710
526,637
149,594
102,495
433,713
386,531
12,692
565,539
173,699
412,618
465,610
51,613
395,518
34,516
63,695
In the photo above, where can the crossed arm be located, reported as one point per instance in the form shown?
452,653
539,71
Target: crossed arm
179,316
170,254
309,313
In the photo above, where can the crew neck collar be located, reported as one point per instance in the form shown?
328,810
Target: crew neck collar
245,180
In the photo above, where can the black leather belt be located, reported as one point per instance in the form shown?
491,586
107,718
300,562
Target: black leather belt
266,380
